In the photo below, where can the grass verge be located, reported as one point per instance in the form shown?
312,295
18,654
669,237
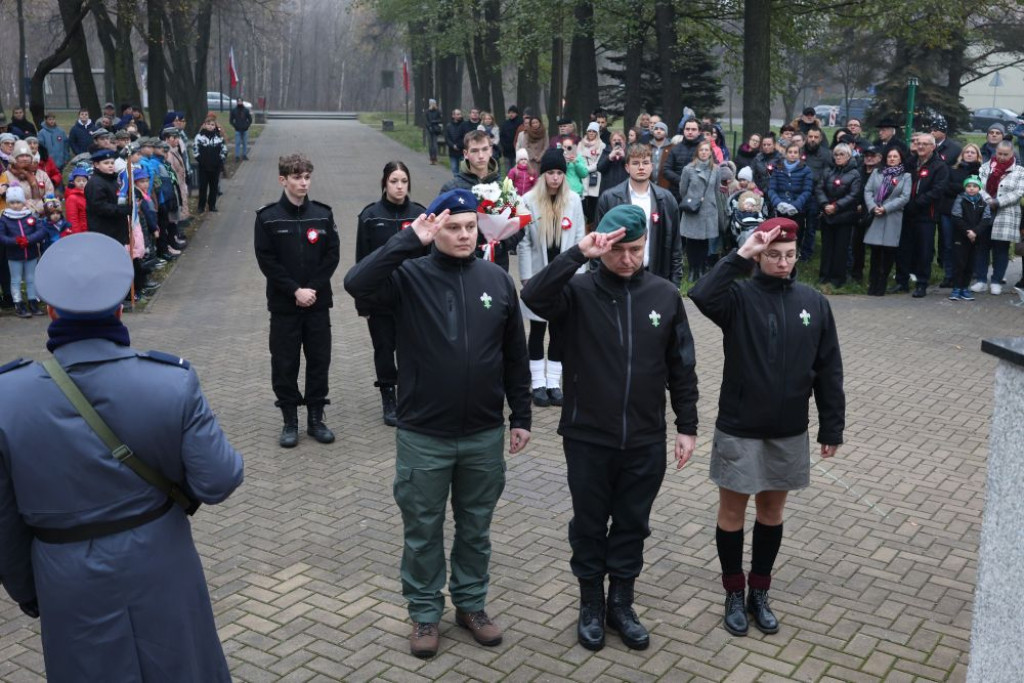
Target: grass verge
409,134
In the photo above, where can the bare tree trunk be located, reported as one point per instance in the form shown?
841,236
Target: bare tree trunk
671,94
634,65
581,88
449,78
81,66
757,65
527,83
37,106
21,53
557,84
117,49
157,77
492,18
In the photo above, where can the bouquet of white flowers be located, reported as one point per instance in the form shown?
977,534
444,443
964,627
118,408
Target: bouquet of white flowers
500,213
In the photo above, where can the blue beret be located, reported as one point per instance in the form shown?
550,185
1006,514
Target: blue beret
456,201
84,275
139,174
101,154
628,216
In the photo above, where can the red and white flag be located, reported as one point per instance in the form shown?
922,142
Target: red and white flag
405,74
232,71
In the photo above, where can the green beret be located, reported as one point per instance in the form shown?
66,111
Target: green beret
628,216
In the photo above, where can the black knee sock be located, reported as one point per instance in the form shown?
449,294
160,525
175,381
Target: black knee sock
730,555
766,543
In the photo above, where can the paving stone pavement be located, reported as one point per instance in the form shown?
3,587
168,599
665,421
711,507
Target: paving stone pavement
874,580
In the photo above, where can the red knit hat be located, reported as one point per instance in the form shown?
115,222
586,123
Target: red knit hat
787,232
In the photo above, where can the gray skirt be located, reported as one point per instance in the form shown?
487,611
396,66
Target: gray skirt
754,465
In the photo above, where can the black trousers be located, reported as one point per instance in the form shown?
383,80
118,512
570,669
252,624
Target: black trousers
209,187
616,485
308,332
382,333
882,259
916,251
5,273
858,251
963,259
696,256
835,248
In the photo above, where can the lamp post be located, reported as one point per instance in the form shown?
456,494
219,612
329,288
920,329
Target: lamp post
911,94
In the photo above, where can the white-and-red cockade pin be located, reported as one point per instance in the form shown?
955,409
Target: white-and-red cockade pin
30,221
406,224
312,235
566,223
655,217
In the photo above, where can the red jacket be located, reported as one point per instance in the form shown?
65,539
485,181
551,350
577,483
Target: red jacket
50,169
74,209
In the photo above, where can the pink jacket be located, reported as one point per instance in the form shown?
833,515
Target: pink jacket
523,180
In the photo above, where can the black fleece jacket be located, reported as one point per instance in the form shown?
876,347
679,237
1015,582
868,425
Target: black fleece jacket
780,346
630,339
461,344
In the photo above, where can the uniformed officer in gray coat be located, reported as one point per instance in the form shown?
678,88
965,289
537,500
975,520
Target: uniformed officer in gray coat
96,552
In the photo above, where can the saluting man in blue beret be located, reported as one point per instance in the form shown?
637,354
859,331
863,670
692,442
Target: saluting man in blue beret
101,554
630,339
461,355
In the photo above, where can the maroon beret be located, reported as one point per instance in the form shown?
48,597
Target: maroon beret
788,225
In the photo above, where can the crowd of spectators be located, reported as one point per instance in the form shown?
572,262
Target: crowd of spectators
104,176
855,197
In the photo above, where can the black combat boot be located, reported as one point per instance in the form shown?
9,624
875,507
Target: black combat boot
315,426
735,621
757,605
590,627
621,616
290,431
388,404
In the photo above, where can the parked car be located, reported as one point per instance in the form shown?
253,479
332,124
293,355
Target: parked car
215,99
981,119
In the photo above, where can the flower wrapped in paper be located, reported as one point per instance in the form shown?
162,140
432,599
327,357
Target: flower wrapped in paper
500,213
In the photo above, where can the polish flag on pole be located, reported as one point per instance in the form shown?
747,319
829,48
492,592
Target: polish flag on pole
232,72
405,74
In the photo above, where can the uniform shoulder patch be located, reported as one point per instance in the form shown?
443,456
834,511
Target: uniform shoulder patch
265,207
167,358
14,365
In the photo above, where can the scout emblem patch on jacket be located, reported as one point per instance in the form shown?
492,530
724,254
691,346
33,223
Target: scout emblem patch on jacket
655,318
805,317
486,298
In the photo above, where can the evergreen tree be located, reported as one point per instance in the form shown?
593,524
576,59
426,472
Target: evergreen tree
701,86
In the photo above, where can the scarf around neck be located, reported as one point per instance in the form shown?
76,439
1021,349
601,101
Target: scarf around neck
890,178
65,331
791,166
996,172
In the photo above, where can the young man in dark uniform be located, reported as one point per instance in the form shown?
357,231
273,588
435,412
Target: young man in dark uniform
297,248
631,339
461,355
780,345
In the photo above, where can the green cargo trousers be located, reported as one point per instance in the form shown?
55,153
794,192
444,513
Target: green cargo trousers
473,467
